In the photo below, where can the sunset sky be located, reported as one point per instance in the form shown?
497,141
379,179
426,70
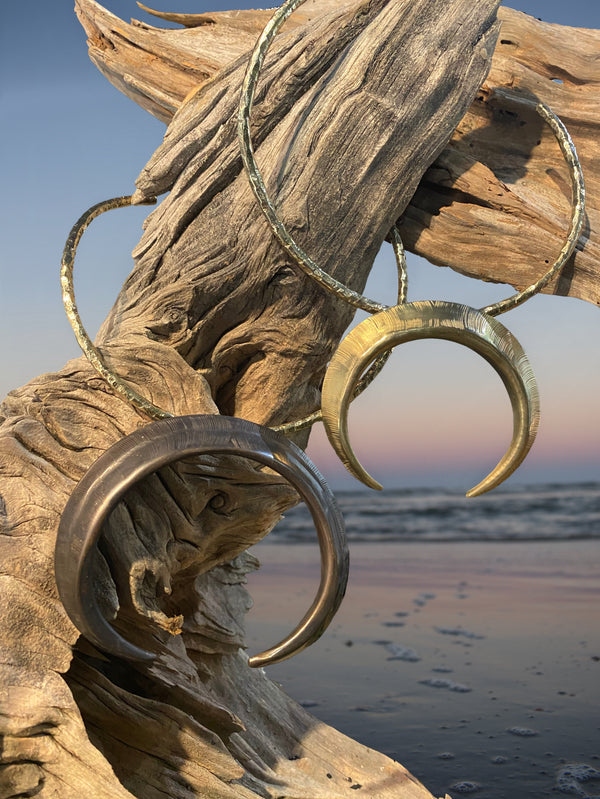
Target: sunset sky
437,416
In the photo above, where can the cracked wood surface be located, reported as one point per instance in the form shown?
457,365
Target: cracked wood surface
214,319
496,203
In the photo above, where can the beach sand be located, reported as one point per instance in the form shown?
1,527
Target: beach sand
476,665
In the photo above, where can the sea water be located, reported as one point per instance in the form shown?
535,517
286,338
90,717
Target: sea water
474,658
521,513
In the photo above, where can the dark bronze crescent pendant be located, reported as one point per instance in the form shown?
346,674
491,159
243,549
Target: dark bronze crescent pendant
163,442
444,320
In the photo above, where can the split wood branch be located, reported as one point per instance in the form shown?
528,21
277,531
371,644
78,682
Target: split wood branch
495,205
214,319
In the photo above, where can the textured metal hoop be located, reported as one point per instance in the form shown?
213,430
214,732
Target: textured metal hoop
146,450
306,263
68,296
577,211
279,230
120,386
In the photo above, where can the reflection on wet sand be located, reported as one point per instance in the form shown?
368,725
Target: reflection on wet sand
514,626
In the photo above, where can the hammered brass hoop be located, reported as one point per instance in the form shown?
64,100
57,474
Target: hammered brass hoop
306,263
91,352
120,386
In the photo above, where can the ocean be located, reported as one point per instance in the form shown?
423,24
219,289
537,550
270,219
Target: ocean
550,512
468,644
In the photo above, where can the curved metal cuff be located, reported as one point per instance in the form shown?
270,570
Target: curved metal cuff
156,445
444,320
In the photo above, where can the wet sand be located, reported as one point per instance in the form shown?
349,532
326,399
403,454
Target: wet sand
477,666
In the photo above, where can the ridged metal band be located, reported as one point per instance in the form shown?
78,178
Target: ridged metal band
161,443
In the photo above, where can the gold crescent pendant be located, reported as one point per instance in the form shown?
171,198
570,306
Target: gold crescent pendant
420,320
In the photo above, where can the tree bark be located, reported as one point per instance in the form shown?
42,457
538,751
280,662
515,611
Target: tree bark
214,319
495,204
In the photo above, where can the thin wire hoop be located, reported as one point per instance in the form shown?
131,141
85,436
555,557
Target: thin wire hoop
310,268
91,352
577,207
120,386
306,263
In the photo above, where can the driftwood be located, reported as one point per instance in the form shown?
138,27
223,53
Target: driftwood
495,204
214,319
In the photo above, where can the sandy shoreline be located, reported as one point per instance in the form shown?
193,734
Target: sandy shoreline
472,664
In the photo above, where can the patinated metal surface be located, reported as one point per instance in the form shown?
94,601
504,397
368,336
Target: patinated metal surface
156,445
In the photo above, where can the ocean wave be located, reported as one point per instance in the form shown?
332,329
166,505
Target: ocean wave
523,513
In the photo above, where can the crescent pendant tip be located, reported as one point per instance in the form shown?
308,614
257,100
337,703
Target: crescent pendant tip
509,463
502,471
493,480
131,652
338,386
353,465
478,490
487,484
263,659
373,484
356,470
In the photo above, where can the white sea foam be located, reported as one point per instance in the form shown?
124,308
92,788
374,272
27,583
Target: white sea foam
522,732
465,786
438,682
571,777
526,513
399,652
457,631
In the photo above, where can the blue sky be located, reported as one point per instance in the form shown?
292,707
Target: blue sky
437,415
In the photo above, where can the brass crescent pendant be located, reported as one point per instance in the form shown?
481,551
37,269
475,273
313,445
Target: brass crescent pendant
419,320
163,442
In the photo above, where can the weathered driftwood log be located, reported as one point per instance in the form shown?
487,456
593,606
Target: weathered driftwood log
351,111
495,203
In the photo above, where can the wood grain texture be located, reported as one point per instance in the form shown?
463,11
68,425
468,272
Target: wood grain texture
214,319
495,204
